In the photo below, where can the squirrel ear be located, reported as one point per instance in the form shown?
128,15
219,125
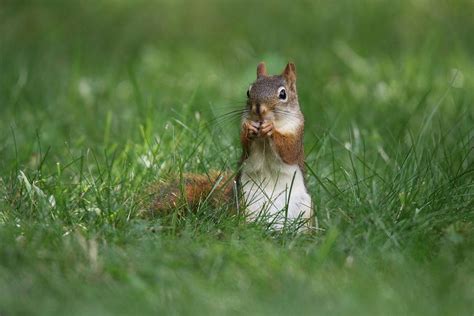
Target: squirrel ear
261,70
290,73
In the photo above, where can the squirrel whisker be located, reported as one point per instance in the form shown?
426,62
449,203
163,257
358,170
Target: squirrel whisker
230,113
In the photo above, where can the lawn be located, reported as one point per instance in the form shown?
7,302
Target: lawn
101,99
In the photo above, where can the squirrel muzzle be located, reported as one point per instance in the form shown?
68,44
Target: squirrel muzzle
260,111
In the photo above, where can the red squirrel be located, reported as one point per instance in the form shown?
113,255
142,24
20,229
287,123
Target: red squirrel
270,181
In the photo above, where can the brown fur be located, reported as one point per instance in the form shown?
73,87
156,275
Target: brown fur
290,147
191,191
261,70
195,188
245,140
290,75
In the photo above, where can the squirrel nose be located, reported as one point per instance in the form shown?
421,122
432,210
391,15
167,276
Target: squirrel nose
260,109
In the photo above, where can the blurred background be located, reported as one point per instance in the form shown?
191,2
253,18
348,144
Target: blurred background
98,99
89,72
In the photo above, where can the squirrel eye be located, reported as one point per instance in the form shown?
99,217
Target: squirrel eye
282,94
248,91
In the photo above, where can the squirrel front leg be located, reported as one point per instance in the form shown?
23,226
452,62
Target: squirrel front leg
248,133
288,146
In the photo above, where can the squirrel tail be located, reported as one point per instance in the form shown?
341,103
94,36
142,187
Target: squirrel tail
216,188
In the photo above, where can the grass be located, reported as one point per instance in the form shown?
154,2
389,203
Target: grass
100,99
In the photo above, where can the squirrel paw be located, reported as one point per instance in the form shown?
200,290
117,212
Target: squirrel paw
251,129
266,129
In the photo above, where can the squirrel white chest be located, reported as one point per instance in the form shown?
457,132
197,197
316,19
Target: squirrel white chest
272,188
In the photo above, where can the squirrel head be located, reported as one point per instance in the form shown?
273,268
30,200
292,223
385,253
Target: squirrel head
272,96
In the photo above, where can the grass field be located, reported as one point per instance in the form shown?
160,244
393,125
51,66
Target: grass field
99,99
